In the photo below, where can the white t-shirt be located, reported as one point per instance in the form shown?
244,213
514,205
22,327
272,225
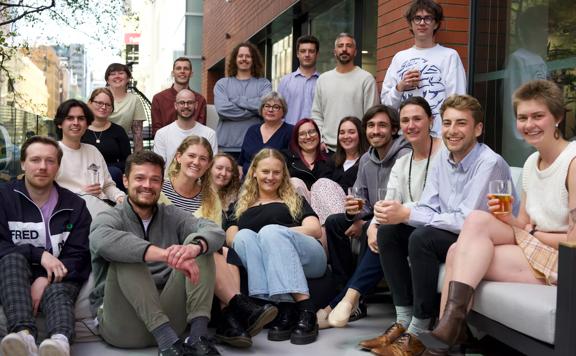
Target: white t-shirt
441,75
79,165
169,137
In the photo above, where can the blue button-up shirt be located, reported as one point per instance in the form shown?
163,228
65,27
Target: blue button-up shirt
299,94
453,189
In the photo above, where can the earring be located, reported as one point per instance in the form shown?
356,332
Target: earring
557,132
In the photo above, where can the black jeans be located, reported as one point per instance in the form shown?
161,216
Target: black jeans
415,282
340,255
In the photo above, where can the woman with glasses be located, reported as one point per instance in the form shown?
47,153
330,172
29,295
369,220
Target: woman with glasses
272,133
110,139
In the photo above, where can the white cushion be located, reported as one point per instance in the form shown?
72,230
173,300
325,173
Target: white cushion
527,308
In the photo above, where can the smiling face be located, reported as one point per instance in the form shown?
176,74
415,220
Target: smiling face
535,122
379,131
349,137
40,166
221,172
117,79
185,105
459,132
144,184
101,106
345,50
182,72
269,175
272,111
414,123
194,161
74,124
422,30
244,59
308,137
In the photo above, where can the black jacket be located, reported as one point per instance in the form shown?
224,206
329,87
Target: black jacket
347,178
298,169
22,230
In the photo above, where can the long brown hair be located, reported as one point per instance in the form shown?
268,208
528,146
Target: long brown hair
249,191
339,156
257,61
228,193
209,208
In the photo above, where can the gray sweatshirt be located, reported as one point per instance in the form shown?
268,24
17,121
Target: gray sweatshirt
237,103
373,172
118,235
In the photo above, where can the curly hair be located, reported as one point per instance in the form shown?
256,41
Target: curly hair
257,61
249,192
229,193
209,207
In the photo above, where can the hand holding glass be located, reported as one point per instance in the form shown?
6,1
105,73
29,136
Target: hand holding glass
501,190
389,194
356,193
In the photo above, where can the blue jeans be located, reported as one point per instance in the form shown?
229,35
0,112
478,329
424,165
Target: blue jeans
278,260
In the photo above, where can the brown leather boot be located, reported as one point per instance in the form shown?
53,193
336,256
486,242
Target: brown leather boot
452,326
388,337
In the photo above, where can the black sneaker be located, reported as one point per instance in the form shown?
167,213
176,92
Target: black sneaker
306,330
359,312
200,347
177,349
231,331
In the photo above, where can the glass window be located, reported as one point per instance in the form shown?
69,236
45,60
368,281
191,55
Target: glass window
325,26
281,59
517,41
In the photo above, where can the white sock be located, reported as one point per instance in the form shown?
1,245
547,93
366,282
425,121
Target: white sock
403,315
418,326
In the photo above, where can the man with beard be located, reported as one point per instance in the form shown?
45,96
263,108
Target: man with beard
346,90
381,124
413,242
163,112
153,267
426,69
298,87
170,137
44,252
237,97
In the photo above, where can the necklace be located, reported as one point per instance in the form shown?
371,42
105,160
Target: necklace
425,172
97,137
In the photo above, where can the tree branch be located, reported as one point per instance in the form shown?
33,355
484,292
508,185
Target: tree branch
31,10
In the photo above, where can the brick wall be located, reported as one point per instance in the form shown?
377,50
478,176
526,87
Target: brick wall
394,35
240,19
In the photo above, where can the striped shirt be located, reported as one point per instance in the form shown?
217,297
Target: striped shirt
453,190
186,204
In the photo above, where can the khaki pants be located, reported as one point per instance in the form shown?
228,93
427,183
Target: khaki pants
133,306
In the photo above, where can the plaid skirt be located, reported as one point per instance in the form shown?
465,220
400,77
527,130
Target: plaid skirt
542,258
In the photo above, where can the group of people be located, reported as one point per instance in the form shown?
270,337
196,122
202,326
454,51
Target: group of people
315,182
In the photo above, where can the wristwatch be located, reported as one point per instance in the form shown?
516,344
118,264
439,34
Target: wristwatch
199,243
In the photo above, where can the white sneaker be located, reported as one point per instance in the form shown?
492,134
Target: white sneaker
57,345
19,344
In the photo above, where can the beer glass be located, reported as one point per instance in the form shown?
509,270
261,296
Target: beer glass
501,190
356,193
389,194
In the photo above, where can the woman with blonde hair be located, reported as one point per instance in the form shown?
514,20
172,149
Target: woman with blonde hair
275,232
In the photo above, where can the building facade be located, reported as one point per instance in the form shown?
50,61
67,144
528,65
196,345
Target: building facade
501,43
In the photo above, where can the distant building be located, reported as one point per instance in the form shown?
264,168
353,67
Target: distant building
75,56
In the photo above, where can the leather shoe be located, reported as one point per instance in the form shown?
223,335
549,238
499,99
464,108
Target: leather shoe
231,331
339,317
322,317
306,330
405,345
285,322
387,338
255,316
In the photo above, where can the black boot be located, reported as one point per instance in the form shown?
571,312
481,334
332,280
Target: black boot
285,322
306,330
252,314
232,331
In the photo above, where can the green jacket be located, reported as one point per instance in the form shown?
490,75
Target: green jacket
118,235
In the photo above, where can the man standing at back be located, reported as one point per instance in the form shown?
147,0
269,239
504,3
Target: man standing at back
170,137
347,90
426,69
163,111
237,97
298,87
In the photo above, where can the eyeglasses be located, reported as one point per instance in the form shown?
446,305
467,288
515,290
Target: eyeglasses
185,103
101,104
418,20
272,107
310,133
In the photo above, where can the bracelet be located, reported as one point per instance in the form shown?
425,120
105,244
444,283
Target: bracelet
199,243
532,232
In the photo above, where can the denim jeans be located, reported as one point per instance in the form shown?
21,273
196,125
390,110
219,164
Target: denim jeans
278,261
